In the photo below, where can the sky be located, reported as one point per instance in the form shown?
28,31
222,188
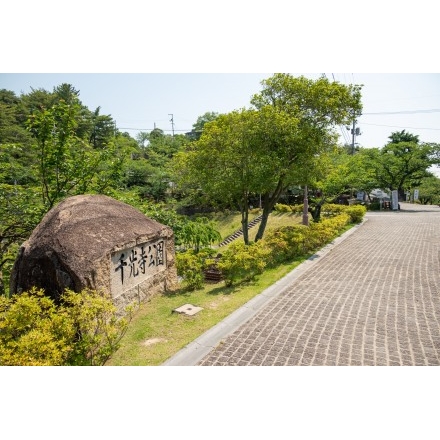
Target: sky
141,101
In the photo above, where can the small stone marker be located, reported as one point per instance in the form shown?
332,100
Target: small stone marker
96,242
188,309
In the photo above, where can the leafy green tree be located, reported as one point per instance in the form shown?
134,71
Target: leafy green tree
17,165
403,136
317,107
198,126
401,165
148,167
429,190
102,129
344,172
67,164
199,233
19,215
224,163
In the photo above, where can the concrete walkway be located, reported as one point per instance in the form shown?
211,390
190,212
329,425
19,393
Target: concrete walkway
370,298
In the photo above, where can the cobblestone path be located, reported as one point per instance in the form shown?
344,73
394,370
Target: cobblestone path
373,300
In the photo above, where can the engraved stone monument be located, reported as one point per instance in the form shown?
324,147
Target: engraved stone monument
94,241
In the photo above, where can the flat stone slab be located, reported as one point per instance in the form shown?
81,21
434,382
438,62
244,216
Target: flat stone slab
188,309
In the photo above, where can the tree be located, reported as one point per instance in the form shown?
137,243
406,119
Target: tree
226,163
148,167
429,190
317,106
11,129
68,165
19,215
102,129
401,164
402,136
198,126
344,172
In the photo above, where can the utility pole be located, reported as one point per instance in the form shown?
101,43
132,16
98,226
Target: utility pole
172,122
355,131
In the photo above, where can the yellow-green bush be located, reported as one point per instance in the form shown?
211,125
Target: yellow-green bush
190,265
242,262
356,212
83,330
285,243
280,207
332,209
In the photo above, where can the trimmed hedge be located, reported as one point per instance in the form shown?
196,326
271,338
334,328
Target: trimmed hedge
242,262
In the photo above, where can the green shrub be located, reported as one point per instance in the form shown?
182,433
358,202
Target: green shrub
332,209
242,262
297,209
99,329
356,213
83,330
190,266
285,243
279,207
374,206
33,332
325,231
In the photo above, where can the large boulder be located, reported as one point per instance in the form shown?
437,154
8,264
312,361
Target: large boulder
96,242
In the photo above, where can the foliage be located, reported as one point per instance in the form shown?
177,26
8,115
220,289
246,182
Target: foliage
33,331
241,262
199,233
98,327
224,165
67,164
280,207
317,107
401,165
429,190
346,173
19,215
190,266
356,213
285,243
83,330
321,233
198,126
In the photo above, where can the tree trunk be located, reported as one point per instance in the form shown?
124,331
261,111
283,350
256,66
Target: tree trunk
305,220
2,285
269,201
245,220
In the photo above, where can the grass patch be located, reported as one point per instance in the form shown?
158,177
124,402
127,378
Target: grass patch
230,223
156,332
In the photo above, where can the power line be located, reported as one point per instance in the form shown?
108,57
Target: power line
405,112
397,126
151,129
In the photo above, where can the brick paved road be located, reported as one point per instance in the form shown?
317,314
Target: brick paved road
373,300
